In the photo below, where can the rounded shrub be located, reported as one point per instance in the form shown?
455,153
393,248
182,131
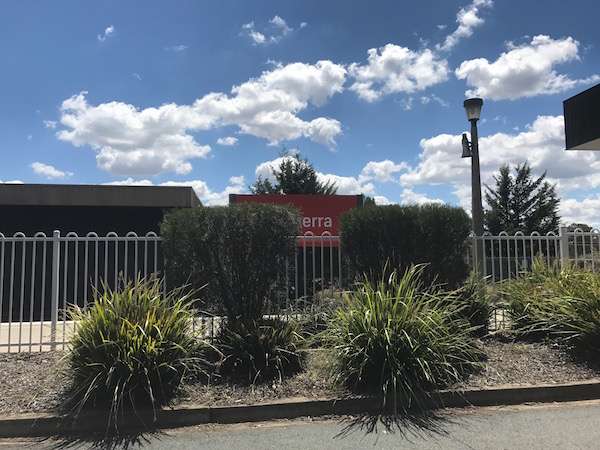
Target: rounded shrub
260,350
406,235
401,340
238,252
131,348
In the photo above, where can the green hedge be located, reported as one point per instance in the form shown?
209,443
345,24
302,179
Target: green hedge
405,235
237,251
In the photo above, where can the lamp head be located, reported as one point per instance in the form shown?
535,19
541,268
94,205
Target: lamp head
473,108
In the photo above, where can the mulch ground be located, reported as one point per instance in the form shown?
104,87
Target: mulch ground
37,382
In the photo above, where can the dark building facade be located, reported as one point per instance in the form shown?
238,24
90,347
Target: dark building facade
32,208
582,120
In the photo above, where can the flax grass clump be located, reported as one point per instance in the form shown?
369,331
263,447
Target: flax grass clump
131,348
260,350
401,340
558,303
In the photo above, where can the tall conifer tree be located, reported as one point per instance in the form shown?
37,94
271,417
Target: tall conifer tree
294,176
521,203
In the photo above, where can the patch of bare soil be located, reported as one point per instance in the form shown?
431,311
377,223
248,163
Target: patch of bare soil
37,382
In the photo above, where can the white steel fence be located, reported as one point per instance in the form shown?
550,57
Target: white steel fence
41,276
507,256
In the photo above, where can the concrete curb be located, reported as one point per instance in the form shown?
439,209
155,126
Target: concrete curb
39,425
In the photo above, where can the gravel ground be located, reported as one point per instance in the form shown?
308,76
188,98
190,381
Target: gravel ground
36,382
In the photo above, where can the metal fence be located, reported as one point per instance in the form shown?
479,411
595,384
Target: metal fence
41,276
506,256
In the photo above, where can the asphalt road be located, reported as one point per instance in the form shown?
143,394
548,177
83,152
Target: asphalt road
548,426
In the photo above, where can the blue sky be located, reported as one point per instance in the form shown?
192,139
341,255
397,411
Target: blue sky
207,94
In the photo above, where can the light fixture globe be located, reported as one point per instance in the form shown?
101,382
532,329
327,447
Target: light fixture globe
473,108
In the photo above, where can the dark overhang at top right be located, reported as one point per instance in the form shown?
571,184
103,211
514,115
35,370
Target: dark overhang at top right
582,120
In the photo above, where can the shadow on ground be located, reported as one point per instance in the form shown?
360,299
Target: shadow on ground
406,424
102,441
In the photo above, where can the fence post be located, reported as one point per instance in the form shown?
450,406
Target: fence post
564,246
55,287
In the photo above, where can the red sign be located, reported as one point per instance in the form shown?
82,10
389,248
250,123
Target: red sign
320,213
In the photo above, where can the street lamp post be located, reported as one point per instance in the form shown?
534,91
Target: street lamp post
473,109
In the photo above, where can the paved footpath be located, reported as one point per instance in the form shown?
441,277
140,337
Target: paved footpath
548,426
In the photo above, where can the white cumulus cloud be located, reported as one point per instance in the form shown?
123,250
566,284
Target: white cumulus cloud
108,32
523,71
133,142
277,29
381,171
585,211
467,18
395,69
410,197
227,141
49,171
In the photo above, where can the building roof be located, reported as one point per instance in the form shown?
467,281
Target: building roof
98,195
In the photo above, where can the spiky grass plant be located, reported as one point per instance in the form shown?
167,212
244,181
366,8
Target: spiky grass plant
559,303
312,317
260,350
131,348
475,304
401,340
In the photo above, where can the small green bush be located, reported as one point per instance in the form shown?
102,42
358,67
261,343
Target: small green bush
406,235
238,251
131,348
260,350
401,340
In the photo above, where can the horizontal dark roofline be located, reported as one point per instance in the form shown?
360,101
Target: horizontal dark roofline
98,195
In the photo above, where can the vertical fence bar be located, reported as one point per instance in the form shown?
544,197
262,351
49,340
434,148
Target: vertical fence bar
11,290
296,271
96,261
314,263
43,300
76,270
22,289
63,302
2,256
116,262
340,262
322,251
55,287
564,247
32,289
331,265
145,258
304,265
